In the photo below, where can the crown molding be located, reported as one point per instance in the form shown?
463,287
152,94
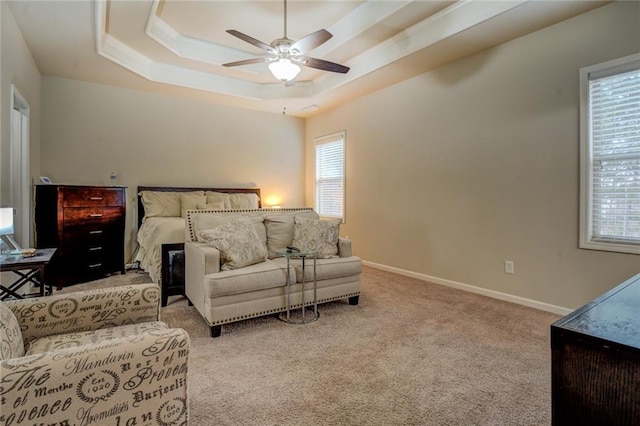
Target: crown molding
446,23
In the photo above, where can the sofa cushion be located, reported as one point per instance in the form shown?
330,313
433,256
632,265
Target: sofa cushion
259,276
11,345
316,234
238,243
61,341
279,228
336,267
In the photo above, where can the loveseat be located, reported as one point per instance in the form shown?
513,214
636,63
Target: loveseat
94,357
224,290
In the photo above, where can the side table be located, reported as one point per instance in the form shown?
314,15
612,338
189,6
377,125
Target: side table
303,255
35,267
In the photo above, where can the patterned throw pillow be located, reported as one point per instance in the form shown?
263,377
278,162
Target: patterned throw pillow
317,234
11,345
238,243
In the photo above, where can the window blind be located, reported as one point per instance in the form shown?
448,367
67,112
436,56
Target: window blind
615,155
330,176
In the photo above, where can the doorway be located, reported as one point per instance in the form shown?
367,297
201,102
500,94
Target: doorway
19,170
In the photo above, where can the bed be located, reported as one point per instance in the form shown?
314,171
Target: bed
161,227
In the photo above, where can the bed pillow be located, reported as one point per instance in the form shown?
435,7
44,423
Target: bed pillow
160,204
216,197
316,234
238,243
211,206
190,201
279,228
11,345
244,201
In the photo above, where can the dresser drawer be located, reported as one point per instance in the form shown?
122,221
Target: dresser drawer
90,215
97,235
87,197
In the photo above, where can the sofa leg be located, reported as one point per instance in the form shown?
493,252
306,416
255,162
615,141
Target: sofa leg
189,303
353,300
216,330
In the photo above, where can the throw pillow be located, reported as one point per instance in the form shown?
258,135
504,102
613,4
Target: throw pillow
280,229
317,234
11,345
207,221
238,243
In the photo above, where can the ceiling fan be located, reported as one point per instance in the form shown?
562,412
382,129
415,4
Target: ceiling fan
286,54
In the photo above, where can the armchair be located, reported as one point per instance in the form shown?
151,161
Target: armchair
94,357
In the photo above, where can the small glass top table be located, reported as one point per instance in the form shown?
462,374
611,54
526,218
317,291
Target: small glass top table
35,267
287,315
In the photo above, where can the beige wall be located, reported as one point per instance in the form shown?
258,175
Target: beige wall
89,130
16,67
453,172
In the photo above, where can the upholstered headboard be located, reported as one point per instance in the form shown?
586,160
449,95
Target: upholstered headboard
185,189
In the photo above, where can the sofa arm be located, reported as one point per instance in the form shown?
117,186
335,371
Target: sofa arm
86,310
138,380
344,247
201,258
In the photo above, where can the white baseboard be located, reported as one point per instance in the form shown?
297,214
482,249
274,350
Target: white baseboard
473,289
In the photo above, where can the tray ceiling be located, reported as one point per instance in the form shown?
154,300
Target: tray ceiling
177,47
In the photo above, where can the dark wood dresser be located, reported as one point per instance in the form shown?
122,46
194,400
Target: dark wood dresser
86,224
595,361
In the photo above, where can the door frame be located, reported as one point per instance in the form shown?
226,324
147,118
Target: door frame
20,162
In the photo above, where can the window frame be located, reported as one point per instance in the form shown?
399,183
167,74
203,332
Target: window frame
321,140
593,72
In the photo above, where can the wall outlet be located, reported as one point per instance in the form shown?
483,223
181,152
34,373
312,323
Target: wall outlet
509,267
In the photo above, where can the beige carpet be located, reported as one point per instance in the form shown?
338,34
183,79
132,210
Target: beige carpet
411,353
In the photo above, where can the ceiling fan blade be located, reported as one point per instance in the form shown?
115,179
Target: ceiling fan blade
309,42
321,64
251,40
244,62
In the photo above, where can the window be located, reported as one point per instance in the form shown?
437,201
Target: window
329,151
610,156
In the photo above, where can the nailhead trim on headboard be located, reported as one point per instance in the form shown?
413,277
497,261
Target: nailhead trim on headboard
192,213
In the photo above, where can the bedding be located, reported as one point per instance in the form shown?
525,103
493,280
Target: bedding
161,217
154,232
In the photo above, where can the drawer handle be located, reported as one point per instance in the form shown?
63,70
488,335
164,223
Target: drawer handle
95,198
96,215
95,248
95,232
95,265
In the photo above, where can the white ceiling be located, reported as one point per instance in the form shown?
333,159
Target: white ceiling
177,47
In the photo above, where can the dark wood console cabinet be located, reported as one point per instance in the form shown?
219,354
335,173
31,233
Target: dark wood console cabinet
86,224
595,361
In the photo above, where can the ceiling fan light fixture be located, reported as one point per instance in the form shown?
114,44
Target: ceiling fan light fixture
284,70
